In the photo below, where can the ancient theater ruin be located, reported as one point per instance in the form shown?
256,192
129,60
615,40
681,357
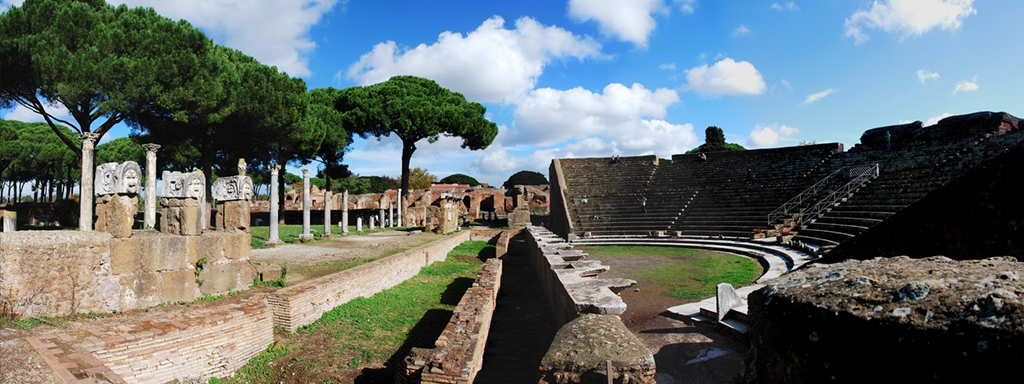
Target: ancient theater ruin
900,253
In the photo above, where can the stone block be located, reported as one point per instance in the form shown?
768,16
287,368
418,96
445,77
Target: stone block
210,247
233,215
165,253
174,286
223,278
180,216
115,214
125,256
726,299
269,272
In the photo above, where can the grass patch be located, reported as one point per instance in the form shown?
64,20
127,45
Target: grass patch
289,233
688,274
476,248
367,332
634,250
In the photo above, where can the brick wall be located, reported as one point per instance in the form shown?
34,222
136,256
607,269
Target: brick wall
305,302
54,273
190,343
458,353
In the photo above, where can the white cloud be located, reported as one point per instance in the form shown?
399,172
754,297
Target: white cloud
741,30
20,113
818,96
274,32
668,67
490,64
4,4
548,116
630,21
769,135
686,6
966,86
726,77
908,17
935,119
785,6
923,76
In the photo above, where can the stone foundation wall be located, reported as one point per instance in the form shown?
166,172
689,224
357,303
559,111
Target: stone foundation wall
54,273
458,353
305,302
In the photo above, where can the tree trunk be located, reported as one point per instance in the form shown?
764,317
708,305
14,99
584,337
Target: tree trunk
408,147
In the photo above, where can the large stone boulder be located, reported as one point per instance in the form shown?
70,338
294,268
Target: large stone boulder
584,348
890,320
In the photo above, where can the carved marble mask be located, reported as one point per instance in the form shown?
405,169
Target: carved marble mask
131,181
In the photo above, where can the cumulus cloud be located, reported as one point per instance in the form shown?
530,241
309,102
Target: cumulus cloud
725,77
785,6
818,96
547,116
741,30
923,76
769,135
274,32
490,64
966,86
630,21
4,4
908,17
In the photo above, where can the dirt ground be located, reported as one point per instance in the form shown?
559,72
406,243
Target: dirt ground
685,352
312,260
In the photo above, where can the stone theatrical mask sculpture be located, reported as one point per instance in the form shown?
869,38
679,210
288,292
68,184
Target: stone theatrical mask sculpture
184,185
232,188
117,178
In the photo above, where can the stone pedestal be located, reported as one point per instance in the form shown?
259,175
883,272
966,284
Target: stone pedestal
180,216
233,215
115,214
519,218
373,222
359,224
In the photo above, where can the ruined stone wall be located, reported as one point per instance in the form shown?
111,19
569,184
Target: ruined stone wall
898,319
458,353
305,302
977,216
53,273
559,220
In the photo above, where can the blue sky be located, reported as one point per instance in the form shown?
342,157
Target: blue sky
599,77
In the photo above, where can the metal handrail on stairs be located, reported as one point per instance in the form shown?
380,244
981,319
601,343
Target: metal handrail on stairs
801,198
859,176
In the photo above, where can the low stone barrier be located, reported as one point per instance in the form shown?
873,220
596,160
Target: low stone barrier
303,303
55,273
890,320
571,281
458,353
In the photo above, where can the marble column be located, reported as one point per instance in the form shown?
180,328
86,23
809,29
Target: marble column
150,209
275,234
359,224
327,213
306,235
391,215
399,208
380,213
344,212
85,196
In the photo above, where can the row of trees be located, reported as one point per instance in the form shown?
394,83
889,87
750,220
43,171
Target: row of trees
207,105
